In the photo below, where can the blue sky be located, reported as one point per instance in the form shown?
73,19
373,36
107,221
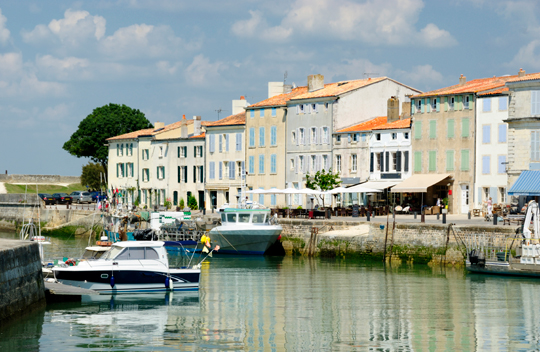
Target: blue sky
61,59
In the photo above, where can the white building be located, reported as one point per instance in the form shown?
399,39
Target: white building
491,147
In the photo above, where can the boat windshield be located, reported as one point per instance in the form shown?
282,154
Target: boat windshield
243,217
259,218
231,217
223,218
112,253
92,254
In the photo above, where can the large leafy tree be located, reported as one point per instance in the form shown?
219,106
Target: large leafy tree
324,181
111,120
91,177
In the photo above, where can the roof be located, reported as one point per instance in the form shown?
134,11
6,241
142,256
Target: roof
366,125
135,134
495,92
335,89
527,184
198,136
474,86
153,131
279,100
529,77
405,123
238,119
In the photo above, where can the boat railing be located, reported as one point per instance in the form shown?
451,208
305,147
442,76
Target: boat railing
494,246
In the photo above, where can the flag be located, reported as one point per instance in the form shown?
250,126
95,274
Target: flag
208,243
205,250
217,248
210,254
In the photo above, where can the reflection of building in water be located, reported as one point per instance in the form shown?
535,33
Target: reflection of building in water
316,305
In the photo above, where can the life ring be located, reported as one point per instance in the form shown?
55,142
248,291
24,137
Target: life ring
70,262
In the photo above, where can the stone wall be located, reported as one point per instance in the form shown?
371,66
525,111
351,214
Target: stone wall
21,280
11,217
20,199
45,179
408,242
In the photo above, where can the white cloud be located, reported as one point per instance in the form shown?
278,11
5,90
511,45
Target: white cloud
528,56
4,32
420,75
165,67
69,68
352,69
11,65
201,71
377,22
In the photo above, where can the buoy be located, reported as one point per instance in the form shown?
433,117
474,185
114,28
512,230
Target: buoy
172,284
167,280
112,281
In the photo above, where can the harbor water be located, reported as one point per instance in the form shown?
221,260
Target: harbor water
294,304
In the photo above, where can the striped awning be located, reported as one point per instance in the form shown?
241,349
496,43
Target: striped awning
527,184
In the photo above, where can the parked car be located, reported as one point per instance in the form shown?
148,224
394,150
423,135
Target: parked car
62,198
47,198
98,196
81,197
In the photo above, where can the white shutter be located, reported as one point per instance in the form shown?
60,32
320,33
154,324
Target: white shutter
297,136
296,166
305,171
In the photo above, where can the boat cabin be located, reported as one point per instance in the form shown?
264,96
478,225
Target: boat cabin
94,252
245,216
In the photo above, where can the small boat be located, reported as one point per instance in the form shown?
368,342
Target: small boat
245,231
130,267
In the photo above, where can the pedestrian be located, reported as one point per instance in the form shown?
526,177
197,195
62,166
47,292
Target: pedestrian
490,206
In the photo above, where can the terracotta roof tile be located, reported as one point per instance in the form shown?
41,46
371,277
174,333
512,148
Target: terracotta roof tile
238,119
529,77
474,86
494,92
198,136
366,125
405,123
131,135
153,131
279,100
337,88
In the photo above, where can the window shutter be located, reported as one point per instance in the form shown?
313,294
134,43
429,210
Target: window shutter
406,161
465,127
418,129
297,136
382,161
194,174
349,138
502,133
398,161
243,176
465,160
178,175
423,105
387,157
220,171
306,162
486,134
371,162
438,104
179,150
194,151
417,161
296,166
227,142
117,172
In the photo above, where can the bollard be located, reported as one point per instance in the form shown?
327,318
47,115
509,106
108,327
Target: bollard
469,215
204,211
394,214
437,216
367,214
444,218
494,219
212,210
414,215
423,217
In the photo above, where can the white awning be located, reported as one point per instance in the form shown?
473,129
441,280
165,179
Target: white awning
418,183
361,189
379,184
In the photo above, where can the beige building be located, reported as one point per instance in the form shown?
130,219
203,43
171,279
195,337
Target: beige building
443,140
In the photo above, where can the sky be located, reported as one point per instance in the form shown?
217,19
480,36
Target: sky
61,59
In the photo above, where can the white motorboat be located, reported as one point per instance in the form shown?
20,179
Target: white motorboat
129,267
245,231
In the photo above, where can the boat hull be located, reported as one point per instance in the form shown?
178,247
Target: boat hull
128,281
504,268
236,240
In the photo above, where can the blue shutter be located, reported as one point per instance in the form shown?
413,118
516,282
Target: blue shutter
251,164
423,105
503,103
501,163
227,142
502,133
261,163
212,170
273,135
274,112
221,170
273,163
493,193
220,143
252,137
212,144
438,104
486,134
238,142
251,113
485,164
261,136
486,105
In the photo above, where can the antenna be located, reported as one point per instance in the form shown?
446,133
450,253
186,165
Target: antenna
285,77
219,111
367,74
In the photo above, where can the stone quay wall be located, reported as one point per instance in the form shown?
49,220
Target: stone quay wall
43,179
21,281
419,243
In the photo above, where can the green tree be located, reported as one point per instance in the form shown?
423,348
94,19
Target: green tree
90,139
90,176
192,203
323,181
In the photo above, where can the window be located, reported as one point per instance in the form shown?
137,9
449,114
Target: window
432,166
405,135
120,170
419,105
232,170
261,163
338,163
356,137
301,136
274,112
434,104
301,108
292,163
486,105
313,167
325,106
486,193
535,102
145,154
220,144
433,129
325,162
535,145
252,137
121,149
130,169
161,172
301,163
338,138
273,136
261,137
501,164
379,162
293,137
273,198
273,163
325,135
313,108
451,102
465,160
183,152
486,134
449,160
486,161
503,103
502,194
394,161
394,135
313,135
378,136
364,137
161,151
502,133
251,165
239,142
261,113
465,127
417,129
146,175
261,201
252,113
417,161
200,149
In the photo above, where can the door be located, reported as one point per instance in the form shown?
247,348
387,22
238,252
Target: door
464,199
201,200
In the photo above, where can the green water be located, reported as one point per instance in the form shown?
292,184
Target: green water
290,304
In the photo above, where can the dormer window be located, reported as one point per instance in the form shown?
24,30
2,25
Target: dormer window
377,136
161,152
394,135
451,101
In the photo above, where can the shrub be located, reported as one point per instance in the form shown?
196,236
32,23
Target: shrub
192,203
181,203
167,203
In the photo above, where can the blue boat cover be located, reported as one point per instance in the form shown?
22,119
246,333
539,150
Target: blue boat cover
527,184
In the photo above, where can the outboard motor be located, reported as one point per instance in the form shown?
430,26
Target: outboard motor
473,257
143,235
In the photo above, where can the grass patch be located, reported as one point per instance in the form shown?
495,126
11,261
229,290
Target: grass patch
11,188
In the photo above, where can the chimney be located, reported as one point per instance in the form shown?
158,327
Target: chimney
239,106
159,125
315,82
393,109
275,88
521,72
183,127
196,125
462,80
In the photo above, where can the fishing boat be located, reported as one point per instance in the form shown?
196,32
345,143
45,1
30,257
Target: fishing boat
131,267
508,255
245,231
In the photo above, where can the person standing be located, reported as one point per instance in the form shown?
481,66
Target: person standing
490,206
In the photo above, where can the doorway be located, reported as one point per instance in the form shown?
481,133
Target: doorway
213,199
464,199
201,200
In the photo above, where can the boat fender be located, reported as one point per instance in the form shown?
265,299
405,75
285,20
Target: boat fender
70,262
171,282
167,280
112,281
279,238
